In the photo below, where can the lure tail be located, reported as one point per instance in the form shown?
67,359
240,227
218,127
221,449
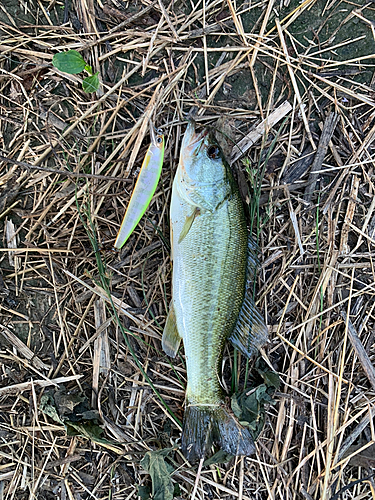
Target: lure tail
208,425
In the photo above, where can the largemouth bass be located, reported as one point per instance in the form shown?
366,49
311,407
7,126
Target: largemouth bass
212,264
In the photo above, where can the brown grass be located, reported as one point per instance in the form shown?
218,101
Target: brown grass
69,159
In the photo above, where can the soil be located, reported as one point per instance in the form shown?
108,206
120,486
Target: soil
118,397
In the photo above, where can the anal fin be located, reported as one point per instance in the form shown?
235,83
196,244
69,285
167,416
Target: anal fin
250,332
171,338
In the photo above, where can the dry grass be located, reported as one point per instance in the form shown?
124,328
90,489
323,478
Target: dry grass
69,160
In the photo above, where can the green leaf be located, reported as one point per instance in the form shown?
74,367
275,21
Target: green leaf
91,431
249,407
88,69
87,429
90,415
47,406
236,408
91,83
70,62
221,457
271,379
72,410
177,490
144,492
153,462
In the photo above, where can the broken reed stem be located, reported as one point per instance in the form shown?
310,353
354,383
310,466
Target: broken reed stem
360,351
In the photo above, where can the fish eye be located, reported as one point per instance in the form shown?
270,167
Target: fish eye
213,152
159,139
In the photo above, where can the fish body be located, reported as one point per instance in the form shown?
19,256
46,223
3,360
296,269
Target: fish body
144,189
210,271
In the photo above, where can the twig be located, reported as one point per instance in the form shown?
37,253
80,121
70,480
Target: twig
328,129
63,172
26,386
259,131
359,349
22,348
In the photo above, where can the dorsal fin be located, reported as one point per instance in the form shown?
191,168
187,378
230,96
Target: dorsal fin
250,332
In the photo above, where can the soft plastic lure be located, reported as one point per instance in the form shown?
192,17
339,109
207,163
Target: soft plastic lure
145,187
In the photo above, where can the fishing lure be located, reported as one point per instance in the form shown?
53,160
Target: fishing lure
145,187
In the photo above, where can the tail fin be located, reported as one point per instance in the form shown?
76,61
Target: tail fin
208,425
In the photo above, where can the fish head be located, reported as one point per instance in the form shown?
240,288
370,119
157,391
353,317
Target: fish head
157,138
203,171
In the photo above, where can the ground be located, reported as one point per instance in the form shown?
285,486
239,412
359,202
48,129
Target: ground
90,406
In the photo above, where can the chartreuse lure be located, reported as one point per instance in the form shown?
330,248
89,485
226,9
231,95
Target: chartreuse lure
145,187
214,265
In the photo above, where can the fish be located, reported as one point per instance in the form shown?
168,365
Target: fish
214,267
144,189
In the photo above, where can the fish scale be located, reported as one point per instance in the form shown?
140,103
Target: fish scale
204,271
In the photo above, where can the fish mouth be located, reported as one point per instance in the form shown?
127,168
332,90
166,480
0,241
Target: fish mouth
193,140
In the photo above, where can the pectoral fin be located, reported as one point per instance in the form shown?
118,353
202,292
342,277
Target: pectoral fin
171,338
188,223
250,332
